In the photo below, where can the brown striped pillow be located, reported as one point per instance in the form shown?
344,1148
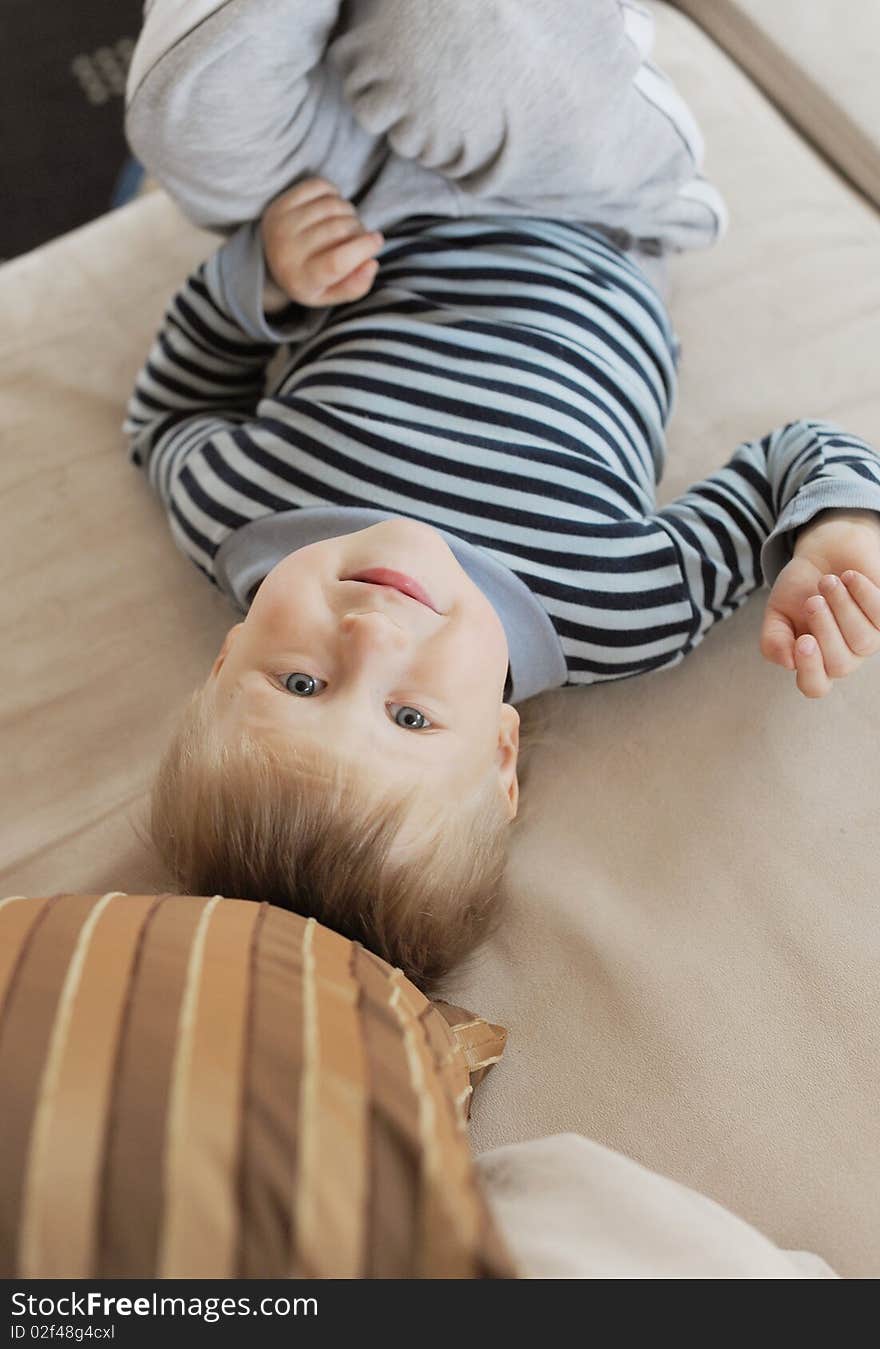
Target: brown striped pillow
212,1088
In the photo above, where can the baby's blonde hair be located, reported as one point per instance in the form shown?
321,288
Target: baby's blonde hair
245,819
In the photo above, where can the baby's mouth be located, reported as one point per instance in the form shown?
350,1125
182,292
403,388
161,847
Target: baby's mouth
397,580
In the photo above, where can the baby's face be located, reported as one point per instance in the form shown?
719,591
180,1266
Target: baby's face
371,674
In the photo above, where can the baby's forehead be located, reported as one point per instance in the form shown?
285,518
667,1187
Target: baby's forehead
347,781
255,721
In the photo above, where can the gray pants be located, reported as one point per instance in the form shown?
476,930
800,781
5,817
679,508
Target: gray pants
411,107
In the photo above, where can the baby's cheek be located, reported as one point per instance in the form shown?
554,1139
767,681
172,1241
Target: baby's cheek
489,635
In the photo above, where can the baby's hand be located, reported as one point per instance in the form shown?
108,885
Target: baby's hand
316,248
837,563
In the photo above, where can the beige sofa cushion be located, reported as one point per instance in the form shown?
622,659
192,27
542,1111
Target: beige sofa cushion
817,59
688,972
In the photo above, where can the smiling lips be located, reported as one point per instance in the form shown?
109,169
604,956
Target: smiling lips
383,576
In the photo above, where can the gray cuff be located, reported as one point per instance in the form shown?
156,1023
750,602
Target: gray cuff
827,494
242,275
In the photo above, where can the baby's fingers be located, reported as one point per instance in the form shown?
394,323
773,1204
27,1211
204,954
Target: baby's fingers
327,269
329,232
855,637
777,638
812,680
865,593
310,189
838,659
354,286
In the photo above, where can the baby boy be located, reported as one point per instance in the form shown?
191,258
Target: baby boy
438,502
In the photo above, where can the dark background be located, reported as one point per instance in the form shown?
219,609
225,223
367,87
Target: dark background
63,156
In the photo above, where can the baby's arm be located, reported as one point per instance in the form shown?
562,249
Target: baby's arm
194,416
199,389
202,376
728,535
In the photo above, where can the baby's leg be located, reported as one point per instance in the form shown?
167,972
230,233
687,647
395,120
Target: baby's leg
504,96
514,106
236,109
545,107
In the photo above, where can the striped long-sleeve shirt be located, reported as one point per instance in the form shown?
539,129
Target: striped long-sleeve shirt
508,381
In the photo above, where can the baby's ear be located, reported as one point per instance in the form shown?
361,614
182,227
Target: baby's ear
506,756
224,650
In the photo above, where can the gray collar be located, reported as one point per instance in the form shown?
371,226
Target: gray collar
537,661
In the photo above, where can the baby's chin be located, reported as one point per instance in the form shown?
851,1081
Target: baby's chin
404,524
424,548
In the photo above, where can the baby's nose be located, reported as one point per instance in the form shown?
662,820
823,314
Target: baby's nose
373,629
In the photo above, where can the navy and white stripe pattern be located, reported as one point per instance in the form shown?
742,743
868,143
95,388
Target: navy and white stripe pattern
507,380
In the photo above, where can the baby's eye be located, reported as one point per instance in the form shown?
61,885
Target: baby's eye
302,684
410,717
